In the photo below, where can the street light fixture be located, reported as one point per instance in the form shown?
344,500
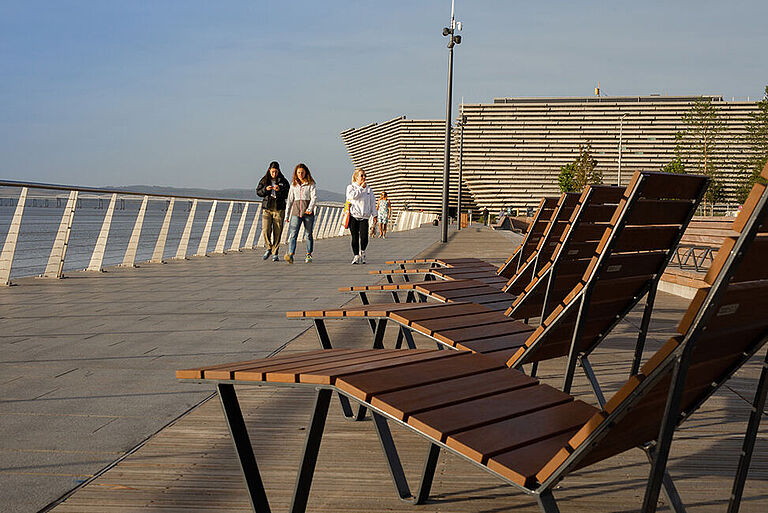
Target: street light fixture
461,124
454,40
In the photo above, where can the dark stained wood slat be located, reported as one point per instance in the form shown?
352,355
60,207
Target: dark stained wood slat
481,443
435,311
465,321
451,294
659,186
522,464
345,370
507,327
380,381
403,403
505,342
307,372
443,422
196,373
437,286
227,371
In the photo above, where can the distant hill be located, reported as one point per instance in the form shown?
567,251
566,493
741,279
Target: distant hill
245,194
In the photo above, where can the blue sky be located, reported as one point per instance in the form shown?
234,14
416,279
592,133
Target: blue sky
193,93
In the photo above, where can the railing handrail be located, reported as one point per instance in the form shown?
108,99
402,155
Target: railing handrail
97,190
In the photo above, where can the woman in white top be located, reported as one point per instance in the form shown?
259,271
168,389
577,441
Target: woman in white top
362,205
300,209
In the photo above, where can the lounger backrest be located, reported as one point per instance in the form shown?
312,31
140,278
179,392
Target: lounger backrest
557,224
633,251
573,248
531,239
723,327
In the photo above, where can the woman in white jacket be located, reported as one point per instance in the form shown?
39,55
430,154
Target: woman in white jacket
300,209
362,205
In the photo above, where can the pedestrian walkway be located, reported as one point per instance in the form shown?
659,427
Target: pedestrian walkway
191,466
70,400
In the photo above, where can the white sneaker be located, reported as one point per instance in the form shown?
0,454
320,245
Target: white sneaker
355,260
362,257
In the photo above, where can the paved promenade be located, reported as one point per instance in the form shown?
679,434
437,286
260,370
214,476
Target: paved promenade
222,309
86,365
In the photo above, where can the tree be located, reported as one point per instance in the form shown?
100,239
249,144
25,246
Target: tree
675,165
698,144
565,178
756,139
581,172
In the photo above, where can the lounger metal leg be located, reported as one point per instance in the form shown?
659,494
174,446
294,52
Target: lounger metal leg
399,342
364,301
570,368
410,297
421,298
664,442
322,334
547,502
584,361
409,338
311,448
379,329
758,405
395,296
534,369
669,488
396,467
389,278
643,333
245,457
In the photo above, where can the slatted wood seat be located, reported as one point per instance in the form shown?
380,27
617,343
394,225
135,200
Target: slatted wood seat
527,433
471,268
607,266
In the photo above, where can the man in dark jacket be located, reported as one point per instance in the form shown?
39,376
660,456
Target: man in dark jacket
273,187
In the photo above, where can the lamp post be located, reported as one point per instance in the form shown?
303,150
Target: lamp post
454,40
461,125
621,130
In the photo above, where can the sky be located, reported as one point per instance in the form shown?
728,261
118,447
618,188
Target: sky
195,93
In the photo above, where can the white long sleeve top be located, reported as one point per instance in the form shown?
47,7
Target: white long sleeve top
362,203
301,198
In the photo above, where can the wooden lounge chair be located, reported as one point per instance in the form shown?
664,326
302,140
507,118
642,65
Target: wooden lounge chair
466,268
536,248
628,262
530,240
528,434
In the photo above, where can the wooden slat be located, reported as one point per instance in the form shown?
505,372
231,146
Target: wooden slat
435,311
671,186
401,404
443,422
484,442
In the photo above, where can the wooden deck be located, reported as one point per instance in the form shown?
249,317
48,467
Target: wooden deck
191,466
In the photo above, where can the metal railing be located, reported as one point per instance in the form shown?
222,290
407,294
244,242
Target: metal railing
132,227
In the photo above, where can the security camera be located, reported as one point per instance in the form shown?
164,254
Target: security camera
457,40
446,31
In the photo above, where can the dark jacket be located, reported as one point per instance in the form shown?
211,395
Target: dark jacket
282,192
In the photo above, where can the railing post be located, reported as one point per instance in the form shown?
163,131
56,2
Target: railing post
338,214
322,217
97,257
55,266
157,255
328,225
239,232
339,228
224,230
250,240
181,251
9,248
202,248
129,260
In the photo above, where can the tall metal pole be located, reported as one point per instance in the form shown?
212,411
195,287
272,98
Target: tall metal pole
454,40
447,167
461,163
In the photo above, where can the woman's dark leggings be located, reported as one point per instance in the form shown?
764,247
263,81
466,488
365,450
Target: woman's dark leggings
359,230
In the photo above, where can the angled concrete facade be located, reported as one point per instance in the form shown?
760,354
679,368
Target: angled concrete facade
514,147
